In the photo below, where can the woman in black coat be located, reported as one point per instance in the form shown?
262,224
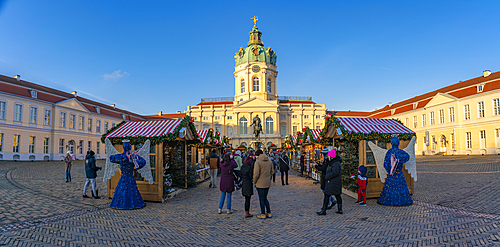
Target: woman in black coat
247,183
284,161
333,181
322,169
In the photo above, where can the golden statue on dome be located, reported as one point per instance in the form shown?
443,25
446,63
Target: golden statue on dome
255,19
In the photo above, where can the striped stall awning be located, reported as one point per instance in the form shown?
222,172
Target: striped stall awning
316,133
202,134
294,138
367,125
145,128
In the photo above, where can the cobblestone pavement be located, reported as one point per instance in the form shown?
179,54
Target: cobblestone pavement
191,218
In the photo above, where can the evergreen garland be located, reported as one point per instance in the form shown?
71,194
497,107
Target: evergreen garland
348,151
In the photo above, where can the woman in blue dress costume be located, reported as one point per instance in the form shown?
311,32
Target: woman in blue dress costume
127,195
395,191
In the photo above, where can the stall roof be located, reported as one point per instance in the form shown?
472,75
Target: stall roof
367,125
202,134
316,133
146,128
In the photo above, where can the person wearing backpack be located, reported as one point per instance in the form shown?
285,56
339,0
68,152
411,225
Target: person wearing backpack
284,167
91,173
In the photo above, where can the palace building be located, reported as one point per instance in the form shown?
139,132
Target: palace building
460,119
256,95
41,123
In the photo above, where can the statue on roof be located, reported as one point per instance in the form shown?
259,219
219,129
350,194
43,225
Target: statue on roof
255,19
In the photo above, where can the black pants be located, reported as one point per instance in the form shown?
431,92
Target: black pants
326,200
302,168
247,203
284,173
238,176
274,176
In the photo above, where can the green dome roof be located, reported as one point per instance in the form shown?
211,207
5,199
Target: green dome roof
255,50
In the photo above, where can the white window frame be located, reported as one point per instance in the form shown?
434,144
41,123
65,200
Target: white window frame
33,115
15,147
407,121
432,118
1,142
72,121
256,84
243,125
283,131
31,145
46,119
269,125
496,106
468,140
229,131
3,109
466,112
89,124
306,116
451,111
415,122
480,109
269,83
228,118
242,85
18,116
318,116
424,120
89,145
81,122
98,125
441,116
61,146
98,147
62,120
46,145
106,126
294,116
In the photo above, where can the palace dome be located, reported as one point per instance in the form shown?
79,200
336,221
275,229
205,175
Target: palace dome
255,50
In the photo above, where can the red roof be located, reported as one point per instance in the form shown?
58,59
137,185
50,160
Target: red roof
22,88
216,103
458,90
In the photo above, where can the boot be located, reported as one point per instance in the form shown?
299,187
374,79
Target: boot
322,212
339,209
331,205
247,214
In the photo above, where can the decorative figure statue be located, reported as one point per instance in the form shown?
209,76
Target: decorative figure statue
255,19
257,127
390,169
127,195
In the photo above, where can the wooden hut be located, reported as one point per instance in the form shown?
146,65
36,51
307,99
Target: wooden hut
166,136
351,136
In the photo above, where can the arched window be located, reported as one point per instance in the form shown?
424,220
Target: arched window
242,85
206,126
256,84
243,126
269,126
269,84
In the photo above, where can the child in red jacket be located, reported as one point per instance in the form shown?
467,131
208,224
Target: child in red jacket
362,185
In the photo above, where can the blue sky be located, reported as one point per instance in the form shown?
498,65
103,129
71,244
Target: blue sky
147,56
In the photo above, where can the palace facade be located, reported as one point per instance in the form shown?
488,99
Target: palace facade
460,119
41,123
256,95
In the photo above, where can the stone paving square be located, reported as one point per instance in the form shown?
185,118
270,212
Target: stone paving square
456,204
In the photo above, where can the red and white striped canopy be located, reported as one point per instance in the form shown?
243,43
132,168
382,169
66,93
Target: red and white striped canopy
202,134
294,138
316,133
367,125
145,128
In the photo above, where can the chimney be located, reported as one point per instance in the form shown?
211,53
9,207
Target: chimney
113,105
74,93
18,77
486,73
390,104
178,112
160,113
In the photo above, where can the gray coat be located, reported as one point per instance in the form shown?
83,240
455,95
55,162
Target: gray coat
333,176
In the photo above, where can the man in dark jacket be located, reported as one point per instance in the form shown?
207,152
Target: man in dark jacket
302,161
333,181
91,172
214,162
284,167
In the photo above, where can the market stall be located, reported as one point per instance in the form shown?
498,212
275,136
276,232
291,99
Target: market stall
209,140
308,143
170,164
350,136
